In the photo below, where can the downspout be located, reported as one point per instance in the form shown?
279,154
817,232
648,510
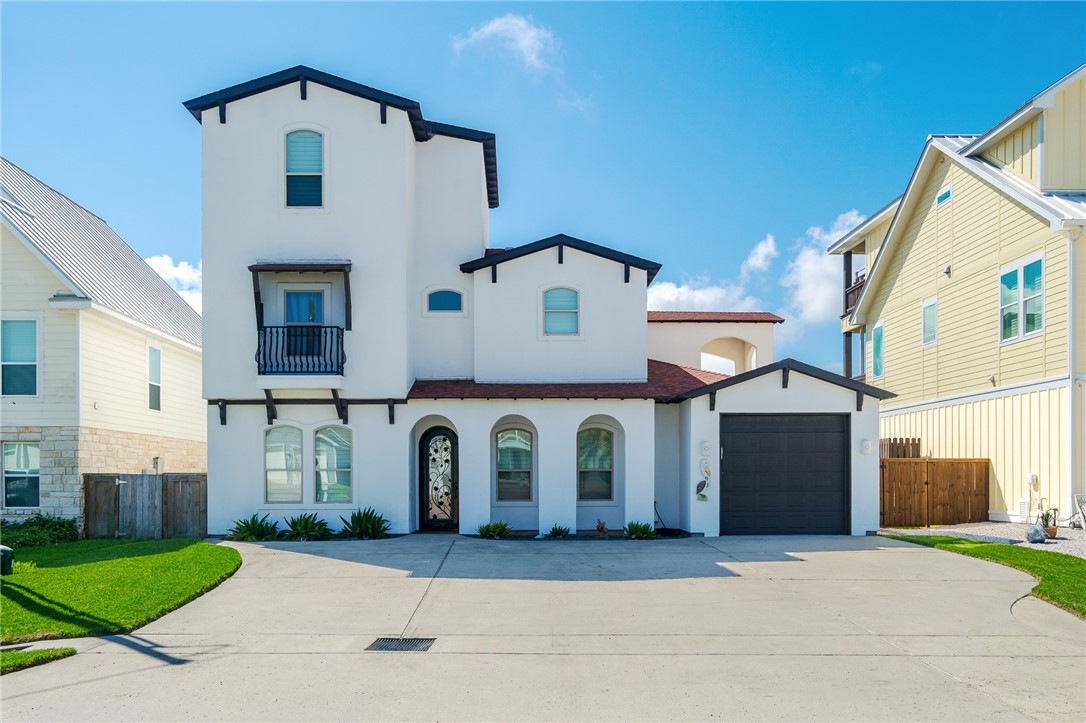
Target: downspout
1074,233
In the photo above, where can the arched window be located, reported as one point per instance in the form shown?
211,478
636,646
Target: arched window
283,465
305,169
445,300
514,466
332,452
560,311
595,464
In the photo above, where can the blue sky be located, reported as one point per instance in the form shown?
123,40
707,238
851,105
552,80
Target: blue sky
729,141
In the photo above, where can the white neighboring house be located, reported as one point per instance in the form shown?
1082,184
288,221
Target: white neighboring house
100,356
365,347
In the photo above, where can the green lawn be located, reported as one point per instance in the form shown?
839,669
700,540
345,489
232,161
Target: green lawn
101,587
1061,579
12,660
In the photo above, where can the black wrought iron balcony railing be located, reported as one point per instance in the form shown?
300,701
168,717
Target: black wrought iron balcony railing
300,350
852,293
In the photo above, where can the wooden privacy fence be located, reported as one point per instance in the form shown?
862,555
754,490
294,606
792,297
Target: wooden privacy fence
898,448
926,492
145,505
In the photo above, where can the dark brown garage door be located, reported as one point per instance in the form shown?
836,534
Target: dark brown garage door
784,474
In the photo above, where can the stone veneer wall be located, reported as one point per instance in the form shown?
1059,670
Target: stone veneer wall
69,452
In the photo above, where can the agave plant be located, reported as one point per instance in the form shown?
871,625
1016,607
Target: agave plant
558,532
365,525
494,530
306,528
254,529
640,531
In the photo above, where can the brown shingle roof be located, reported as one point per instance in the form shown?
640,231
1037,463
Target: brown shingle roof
741,317
665,383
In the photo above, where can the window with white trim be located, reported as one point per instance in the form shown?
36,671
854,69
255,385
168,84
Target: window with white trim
876,350
944,195
283,465
445,300
305,169
22,474
1021,299
19,357
154,378
929,319
332,452
560,311
514,465
595,464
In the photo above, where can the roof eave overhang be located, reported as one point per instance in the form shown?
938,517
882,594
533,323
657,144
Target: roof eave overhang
651,268
790,365
848,242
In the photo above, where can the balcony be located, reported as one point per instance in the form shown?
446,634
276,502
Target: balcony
852,293
300,350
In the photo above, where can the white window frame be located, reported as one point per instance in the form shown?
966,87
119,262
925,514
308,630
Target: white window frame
39,362
933,301
4,477
882,360
543,335
444,314
533,499
1019,267
158,348
614,499
301,471
949,189
325,139
349,469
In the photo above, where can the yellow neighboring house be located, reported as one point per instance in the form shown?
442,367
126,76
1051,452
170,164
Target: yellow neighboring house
973,308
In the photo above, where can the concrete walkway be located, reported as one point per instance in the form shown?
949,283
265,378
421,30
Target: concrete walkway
750,628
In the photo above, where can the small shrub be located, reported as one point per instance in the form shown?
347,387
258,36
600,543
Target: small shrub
558,532
640,531
365,525
254,530
306,528
494,530
38,530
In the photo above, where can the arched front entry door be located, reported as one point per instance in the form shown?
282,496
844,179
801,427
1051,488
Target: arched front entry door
438,488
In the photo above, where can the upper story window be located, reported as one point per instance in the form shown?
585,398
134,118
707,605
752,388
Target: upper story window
929,321
876,350
283,464
19,357
944,195
303,315
154,378
1021,299
560,309
332,452
445,300
514,467
305,169
22,474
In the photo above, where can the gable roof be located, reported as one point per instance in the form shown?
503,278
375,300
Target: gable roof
666,383
560,240
847,241
791,365
731,317
1061,210
422,129
90,257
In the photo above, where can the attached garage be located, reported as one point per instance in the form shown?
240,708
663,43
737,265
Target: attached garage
784,474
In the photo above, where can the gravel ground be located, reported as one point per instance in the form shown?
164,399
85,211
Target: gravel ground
1068,540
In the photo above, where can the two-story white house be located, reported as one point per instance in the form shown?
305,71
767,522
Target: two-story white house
363,345
100,357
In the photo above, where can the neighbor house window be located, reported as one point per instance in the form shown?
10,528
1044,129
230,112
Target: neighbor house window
929,320
595,464
305,169
283,464
514,478
332,449
1021,300
19,357
560,311
22,474
876,350
154,378
445,300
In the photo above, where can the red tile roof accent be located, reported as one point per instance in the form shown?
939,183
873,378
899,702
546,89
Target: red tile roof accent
741,317
665,382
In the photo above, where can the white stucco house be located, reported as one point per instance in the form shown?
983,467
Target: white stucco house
100,357
363,345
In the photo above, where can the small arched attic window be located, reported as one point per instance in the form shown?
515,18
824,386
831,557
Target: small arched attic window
445,300
305,169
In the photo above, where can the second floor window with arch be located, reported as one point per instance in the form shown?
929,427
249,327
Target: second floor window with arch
560,309
305,169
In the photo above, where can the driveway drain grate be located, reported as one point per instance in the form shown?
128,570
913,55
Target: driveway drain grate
401,645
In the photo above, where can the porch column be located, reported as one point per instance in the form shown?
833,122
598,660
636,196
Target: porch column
640,431
474,476
557,455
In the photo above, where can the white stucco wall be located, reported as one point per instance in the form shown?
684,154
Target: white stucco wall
681,342
669,469
385,468
509,340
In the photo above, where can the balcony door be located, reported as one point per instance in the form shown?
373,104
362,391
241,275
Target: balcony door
303,317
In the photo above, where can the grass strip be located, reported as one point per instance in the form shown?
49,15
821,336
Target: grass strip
12,660
1061,579
104,587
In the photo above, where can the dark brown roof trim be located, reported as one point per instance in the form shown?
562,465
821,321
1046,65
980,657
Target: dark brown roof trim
561,240
791,365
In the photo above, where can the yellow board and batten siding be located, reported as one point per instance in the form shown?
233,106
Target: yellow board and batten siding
978,232
1020,152
1065,140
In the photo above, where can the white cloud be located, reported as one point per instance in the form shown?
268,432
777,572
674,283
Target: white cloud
185,278
535,46
700,295
585,106
813,277
760,257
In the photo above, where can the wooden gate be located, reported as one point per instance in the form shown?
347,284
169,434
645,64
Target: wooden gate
143,506
926,492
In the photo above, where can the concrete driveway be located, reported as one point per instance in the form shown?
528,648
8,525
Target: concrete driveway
754,628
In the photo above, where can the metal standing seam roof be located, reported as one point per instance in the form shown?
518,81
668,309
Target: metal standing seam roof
93,258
